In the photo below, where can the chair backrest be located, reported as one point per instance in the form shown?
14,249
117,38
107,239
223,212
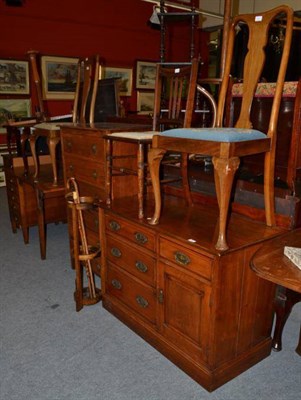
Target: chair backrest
86,90
258,26
175,91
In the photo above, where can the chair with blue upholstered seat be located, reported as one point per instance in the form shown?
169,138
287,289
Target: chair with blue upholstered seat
227,145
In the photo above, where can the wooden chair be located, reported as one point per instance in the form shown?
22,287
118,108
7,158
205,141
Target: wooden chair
50,191
227,145
175,89
83,111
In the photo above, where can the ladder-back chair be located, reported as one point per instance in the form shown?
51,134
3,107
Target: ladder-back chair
175,88
227,145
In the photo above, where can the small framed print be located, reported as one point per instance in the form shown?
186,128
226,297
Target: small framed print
126,77
13,109
146,74
14,77
59,75
145,102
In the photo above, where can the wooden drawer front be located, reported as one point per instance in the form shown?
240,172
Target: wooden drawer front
139,297
135,233
85,189
186,258
85,170
84,146
91,220
131,259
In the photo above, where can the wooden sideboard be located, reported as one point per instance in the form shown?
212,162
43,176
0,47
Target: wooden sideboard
206,311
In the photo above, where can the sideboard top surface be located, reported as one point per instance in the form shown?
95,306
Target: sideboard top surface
196,226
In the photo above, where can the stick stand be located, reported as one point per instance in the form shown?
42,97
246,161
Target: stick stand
82,252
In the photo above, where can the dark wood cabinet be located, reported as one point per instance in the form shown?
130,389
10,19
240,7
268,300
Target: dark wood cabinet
83,153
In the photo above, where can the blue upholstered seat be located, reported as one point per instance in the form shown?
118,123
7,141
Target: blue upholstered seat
227,135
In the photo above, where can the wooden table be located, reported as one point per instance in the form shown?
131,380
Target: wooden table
270,263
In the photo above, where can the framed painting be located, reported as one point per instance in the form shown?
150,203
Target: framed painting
145,102
13,109
59,75
126,78
145,75
14,77
190,3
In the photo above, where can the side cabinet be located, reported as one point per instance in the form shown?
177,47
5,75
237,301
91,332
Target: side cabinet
208,313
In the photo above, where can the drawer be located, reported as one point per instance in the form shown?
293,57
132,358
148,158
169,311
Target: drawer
187,258
91,220
131,259
88,171
88,146
133,232
139,297
98,193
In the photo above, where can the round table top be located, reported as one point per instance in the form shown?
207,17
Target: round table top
270,263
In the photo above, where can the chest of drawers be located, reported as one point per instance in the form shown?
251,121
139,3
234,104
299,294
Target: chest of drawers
83,153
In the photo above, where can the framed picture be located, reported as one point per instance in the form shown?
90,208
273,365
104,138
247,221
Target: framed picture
190,3
59,76
13,109
14,77
145,75
126,77
145,102
2,174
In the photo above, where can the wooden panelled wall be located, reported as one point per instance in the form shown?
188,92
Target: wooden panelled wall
117,30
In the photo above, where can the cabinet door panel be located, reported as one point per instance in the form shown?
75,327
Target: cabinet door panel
185,311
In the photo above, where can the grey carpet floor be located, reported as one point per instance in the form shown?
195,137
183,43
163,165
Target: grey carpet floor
51,352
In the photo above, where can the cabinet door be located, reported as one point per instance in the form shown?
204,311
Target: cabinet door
184,311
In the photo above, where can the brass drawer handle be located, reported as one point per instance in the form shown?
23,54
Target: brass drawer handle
116,252
141,301
71,168
94,149
116,284
94,174
141,266
114,226
141,238
69,145
181,258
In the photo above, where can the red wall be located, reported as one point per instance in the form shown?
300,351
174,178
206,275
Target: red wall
115,29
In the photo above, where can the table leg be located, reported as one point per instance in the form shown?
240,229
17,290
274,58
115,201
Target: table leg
52,143
284,301
108,172
140,177
32,143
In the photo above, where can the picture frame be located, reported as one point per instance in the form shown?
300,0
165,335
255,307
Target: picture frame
145,102
59,75
146,74
13,109
185,2
126,78
14,77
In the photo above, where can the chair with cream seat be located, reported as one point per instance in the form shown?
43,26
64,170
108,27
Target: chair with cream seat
175,89
83,111
227,145
49,189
